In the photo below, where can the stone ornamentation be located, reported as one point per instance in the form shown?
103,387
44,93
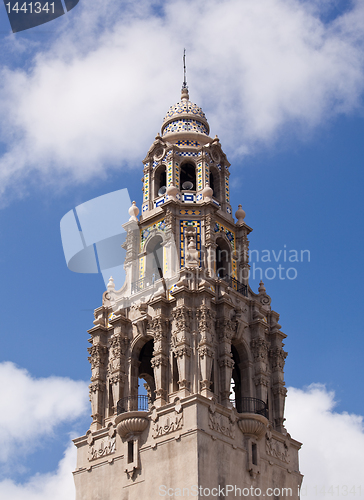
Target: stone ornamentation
221,423
260,349
278,356
166,425
192,257
277,449
101,447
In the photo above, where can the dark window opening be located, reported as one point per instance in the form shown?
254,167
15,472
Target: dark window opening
212,183
160,181
145,358
155,258
146,371
130,452
222,259
175,376
254,454
111,400
236,379
188,177
212,388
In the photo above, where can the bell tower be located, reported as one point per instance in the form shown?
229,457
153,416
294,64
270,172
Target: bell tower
209,413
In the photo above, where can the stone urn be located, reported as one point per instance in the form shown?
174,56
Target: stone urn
131,422
252,424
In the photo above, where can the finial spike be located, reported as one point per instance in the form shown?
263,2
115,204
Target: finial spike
184,86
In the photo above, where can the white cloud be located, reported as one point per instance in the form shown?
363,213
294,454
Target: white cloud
94,98
33,408
332,454
57,485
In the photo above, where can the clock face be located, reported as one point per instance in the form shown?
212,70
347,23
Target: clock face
158,154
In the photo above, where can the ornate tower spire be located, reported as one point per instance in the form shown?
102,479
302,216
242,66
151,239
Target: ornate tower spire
184,85
186,323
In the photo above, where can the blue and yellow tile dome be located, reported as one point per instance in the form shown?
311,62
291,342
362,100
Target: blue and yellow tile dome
185,117
184,107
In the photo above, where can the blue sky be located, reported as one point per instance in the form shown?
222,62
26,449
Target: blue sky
82,99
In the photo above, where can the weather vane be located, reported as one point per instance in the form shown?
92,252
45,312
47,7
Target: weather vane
184,86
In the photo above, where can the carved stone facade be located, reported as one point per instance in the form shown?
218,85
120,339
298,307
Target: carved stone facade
208,350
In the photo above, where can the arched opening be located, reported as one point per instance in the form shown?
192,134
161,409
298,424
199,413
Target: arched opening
160,181
214,181
236,381
146,385
154,259
223,261
241,389
188,177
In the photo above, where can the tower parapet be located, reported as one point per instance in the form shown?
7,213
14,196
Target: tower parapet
208,349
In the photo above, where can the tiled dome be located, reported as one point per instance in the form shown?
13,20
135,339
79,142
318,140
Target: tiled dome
184,107
185,116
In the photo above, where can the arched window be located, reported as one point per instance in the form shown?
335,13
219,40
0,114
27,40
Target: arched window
214,182
146,386
154,260
223,258
160,181
142,382
188,177
236,380
241,378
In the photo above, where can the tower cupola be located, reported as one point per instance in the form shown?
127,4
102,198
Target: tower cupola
185,120
186,161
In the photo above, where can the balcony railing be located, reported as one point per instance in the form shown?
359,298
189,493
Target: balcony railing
146,282
236,285
250,405
132,403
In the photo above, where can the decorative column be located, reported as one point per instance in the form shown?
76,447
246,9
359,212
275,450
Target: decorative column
259,349
181,339
210,245
226,330
97,358
171,264
131,245
225,198
117,367
206,332
278,356
117,373
159,326
242,246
